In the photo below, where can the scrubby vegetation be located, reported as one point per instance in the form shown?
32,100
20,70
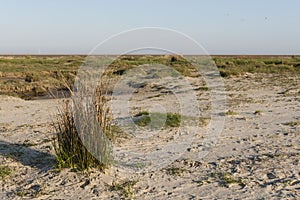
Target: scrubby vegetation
31,76
239,65
125,188
226,179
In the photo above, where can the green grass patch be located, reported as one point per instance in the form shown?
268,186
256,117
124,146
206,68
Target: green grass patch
32,76
4,172
226,179
239,65
167,120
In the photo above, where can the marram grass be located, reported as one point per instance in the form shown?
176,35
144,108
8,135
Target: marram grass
90,147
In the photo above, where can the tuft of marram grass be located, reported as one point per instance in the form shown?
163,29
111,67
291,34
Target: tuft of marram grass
91,146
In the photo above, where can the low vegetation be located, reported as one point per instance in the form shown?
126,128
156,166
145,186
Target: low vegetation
125,188
226,179
4,172
31,76
239,65
175,171
90,147
158,119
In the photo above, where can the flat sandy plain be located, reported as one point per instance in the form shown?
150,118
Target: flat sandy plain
257,155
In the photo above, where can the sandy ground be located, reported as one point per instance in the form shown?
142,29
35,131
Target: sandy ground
257,155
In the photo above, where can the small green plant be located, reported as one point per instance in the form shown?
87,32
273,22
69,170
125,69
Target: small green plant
124,187
226,179
230,112
169,119
4,171
173,120
143,118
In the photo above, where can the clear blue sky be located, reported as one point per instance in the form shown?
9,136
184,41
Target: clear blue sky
221,26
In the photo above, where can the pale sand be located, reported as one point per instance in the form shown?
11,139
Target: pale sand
258,151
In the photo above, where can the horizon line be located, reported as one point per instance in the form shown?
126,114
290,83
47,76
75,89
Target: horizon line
238,55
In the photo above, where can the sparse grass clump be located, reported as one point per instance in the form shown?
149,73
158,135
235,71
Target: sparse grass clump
226,179
4,171
69,149
144,120
173,120
125,188
91,146
175,171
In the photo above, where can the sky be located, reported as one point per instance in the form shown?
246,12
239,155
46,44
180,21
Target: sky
220,26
